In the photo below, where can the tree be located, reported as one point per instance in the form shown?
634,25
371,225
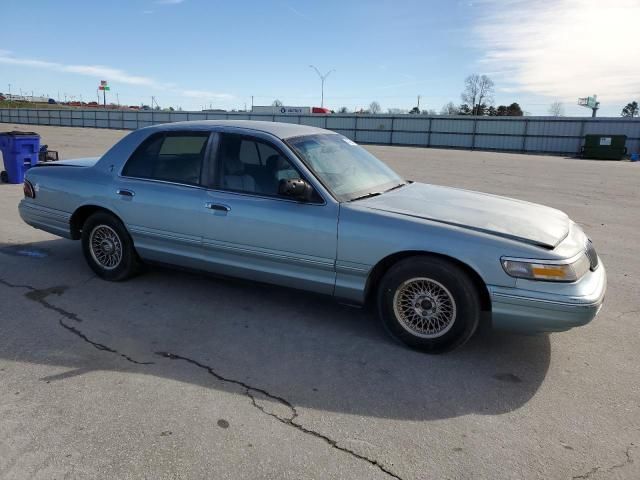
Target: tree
343,110
464,109
430,111
514,110
478,89
491,111
277,103
374,107
414,111
556,109
630,110
449,109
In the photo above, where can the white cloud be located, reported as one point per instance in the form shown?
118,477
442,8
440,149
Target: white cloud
113,75
563,48
97,71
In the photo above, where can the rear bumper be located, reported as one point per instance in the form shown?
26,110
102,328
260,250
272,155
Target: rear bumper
530,311
50,220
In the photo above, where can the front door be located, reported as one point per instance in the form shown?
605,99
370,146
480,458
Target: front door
254,233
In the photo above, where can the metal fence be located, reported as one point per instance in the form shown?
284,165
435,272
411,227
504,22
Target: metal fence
521,134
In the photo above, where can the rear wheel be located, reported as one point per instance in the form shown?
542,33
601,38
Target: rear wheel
108,248
429,304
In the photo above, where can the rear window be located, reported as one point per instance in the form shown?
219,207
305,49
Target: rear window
174,157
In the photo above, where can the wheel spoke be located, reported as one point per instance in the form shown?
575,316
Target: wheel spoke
424,307
105,247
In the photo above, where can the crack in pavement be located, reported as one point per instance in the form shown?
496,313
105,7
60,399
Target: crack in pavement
251,391
39,295
627,461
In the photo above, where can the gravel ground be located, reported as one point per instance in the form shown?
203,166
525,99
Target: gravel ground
177,375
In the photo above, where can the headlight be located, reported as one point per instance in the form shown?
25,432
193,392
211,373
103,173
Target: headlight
568,271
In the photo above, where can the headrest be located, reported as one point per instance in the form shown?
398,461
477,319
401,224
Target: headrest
275,163
233,166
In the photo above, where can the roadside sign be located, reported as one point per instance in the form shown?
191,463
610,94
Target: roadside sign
590,102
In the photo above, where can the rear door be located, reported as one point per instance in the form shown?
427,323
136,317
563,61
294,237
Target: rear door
252,232
160,197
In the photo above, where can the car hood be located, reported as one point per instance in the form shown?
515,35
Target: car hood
506,217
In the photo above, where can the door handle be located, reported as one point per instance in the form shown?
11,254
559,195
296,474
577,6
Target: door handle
125,193
217,207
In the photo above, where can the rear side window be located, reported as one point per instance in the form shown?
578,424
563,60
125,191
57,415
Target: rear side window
173,157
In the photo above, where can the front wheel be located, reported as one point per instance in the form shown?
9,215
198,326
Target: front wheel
429,304
108,248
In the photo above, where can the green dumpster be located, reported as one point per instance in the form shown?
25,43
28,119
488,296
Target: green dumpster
604,147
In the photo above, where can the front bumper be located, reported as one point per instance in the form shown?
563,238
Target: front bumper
551,307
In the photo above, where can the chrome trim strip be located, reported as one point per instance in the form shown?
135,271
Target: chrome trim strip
554,302
163,235
268,255
563,261
47,211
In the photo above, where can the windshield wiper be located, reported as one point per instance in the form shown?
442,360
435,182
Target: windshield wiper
375,194
397,186
366,195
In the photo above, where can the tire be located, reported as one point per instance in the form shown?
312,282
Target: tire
108,248
429,304
4,177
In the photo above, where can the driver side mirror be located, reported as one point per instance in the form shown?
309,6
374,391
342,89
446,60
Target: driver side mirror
295,188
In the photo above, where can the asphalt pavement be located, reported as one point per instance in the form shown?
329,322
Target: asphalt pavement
176,375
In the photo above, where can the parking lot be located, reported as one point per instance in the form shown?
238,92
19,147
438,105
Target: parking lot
177,375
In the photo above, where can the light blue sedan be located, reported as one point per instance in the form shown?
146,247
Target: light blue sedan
308,208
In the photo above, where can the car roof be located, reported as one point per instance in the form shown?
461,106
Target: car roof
278,129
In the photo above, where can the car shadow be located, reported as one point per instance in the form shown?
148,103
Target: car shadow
229,334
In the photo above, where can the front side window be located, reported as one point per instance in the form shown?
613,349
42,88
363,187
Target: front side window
251,166
344,167
173,157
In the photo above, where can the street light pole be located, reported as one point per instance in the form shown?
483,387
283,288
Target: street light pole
322,79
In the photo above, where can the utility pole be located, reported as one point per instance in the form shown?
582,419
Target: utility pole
322,79
418,102
118,99
9,95
252,103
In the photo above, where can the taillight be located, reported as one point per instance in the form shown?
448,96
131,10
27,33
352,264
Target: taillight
28,189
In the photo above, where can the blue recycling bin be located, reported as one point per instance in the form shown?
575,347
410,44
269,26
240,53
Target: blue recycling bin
19,153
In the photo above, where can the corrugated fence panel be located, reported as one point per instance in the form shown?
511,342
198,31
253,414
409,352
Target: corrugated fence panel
499,142
366,123
451,126
556,128
630,129
314,121
341,123
531,134
370,136
451,140
411,124
410,138
285,118
553,144
501,127
178,116
196,116
347,133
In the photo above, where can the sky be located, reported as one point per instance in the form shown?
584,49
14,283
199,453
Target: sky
219,53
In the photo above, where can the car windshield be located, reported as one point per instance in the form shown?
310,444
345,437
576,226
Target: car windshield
344,167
